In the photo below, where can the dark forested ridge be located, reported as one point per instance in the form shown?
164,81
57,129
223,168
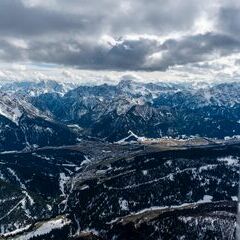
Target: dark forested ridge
98,190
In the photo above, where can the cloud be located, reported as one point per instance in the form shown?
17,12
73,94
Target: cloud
34,17
228,20
17,19
136,35
192,49
140,54
10,52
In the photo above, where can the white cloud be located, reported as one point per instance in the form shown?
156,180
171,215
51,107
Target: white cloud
18,42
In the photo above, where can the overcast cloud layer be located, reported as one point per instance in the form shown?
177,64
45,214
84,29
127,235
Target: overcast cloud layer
180,37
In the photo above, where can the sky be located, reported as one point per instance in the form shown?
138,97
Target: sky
104,40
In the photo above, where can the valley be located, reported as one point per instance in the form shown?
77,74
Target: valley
126,161
105,190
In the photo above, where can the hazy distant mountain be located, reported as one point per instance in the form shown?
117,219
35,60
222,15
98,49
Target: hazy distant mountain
30,88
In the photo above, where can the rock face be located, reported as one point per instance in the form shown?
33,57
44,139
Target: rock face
151,110
22,125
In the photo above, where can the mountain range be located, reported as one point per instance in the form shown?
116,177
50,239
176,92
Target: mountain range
24,126
109,112
126,161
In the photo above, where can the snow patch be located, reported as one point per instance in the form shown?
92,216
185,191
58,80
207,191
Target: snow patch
131,136
17,231
123,204
230,160
234,198
22,185
206,199
45,228
62,182
86,161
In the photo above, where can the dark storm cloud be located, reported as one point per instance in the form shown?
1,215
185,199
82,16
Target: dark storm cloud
18,20
135,54
68,32
229,19
128,54
115,17
10,53
194,49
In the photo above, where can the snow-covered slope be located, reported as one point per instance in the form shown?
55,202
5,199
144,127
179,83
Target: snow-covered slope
9,109
13,108
23,125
